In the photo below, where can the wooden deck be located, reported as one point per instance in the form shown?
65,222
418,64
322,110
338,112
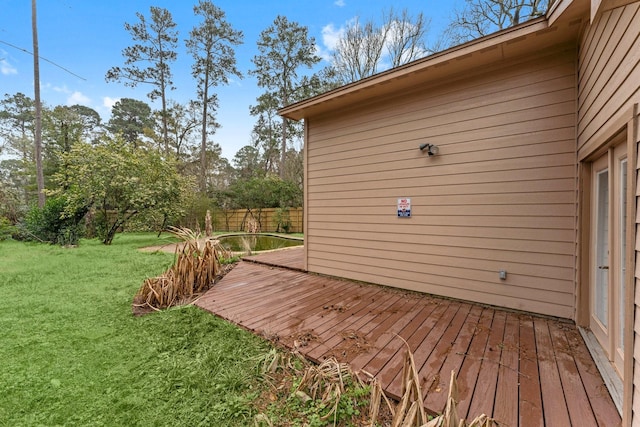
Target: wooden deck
291,258
521,369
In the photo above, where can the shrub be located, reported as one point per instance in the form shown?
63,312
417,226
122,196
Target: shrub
282,220
50,224
195,269
6,228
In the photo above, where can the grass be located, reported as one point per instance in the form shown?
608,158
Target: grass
73,354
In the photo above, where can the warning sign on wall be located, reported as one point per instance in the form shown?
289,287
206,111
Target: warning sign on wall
404,208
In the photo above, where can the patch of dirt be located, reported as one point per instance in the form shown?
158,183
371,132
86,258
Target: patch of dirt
303,338
353,343
340,307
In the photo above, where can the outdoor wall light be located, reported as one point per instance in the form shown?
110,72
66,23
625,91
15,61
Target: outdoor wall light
432,150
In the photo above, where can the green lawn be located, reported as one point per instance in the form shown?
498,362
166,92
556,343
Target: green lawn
73,354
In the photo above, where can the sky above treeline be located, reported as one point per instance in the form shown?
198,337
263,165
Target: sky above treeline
79,40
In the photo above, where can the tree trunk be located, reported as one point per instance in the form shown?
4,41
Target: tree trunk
203,143
36,85
283,147
108,239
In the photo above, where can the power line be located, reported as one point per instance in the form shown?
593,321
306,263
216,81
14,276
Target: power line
44,59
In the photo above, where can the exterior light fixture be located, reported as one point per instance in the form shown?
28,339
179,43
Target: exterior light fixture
432,150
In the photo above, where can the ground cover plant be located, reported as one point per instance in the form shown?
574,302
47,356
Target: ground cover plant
73,354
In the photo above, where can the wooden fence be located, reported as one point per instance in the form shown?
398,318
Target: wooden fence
268,220
288,220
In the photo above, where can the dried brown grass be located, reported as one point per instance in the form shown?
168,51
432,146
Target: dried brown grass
409,412
195,269
208,228
327,383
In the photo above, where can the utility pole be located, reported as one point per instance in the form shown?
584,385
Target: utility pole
36,85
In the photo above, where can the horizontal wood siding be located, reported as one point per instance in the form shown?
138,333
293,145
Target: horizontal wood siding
609,77
608,87
499,196
635,387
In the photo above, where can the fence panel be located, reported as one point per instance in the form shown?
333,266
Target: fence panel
237,220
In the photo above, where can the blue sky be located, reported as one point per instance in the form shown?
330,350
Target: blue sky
87,38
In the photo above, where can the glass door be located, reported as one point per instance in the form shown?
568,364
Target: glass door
608,251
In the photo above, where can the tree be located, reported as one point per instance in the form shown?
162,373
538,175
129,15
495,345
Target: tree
38,104
267,131
63,127
247,162
120,182
183,121
365,49
147,61
479,18
11,205
294,172
257,193
212,45
130,118
358,52
218,172
17,121
284,48
405,41
17,133
68,124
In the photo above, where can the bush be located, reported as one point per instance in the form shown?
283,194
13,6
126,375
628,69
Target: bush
6,228
49,224
282,220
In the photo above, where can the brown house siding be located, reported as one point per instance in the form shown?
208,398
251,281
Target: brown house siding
634,388
609,73
500,195
609,85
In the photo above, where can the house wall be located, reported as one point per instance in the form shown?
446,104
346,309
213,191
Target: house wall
500,195
608,88
609,73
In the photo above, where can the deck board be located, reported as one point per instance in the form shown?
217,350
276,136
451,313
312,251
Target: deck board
530,400
454,359
522,369
484,394
553,399
579,408
507,385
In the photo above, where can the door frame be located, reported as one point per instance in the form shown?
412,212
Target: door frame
626,125
607,330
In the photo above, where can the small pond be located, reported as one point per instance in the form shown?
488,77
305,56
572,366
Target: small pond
257,242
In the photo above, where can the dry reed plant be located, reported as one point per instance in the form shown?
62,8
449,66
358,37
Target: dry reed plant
252,225
194,271
208,228
410,410
327,384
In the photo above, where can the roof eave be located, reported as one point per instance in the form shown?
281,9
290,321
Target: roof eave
487,47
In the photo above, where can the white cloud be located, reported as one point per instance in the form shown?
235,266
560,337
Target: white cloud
109,102
78,98
340,3
330,37
59,89
6,68
235,82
